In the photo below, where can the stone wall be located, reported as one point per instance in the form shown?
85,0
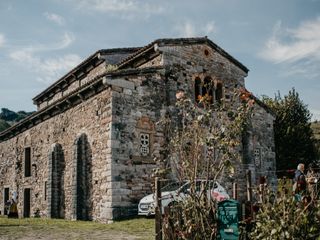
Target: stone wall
92,118
261,145
138,102
96,159
150,98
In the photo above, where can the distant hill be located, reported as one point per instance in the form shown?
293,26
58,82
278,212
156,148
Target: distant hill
3,125
8,117
315,126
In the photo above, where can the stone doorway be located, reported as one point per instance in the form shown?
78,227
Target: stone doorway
56,196
26,202
83,186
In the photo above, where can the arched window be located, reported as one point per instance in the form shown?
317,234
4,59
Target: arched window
204,88
56,205
208,90
197,89
219,93
83,179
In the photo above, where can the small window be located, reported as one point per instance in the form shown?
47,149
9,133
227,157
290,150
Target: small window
27,162
257,157
45,190
219,93
204,89
144,144
6,201
197,89
208,90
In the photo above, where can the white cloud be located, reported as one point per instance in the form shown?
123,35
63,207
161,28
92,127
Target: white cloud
54,18
47,69
210,27
66,40
298,48
189,29
2,40
122,8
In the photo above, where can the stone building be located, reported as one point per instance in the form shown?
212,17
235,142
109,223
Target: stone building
88,151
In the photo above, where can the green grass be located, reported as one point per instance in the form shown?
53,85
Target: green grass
35,228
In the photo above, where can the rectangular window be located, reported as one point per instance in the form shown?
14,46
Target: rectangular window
6,203
144,144
26,202
45,190
27,162
257,157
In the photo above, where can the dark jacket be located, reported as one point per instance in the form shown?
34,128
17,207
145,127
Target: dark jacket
300,179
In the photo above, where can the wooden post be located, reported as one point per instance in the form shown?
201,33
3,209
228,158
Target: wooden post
249,186
249,190
158,214
261,190
235,191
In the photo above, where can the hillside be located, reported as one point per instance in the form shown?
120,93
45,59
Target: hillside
316,130
3,125
8,117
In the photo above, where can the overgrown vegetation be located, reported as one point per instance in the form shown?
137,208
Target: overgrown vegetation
294,141
3,125
204,145
282,217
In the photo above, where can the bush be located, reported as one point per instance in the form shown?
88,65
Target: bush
204,144
282,217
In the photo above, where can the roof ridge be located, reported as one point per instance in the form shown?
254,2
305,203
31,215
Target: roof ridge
191,40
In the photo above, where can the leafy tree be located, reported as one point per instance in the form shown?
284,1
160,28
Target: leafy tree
3,125
8,115
292,131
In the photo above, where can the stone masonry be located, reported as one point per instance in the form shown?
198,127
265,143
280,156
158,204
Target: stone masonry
88,152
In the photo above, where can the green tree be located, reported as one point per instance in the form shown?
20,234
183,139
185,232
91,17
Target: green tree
293,134
3,125
8,115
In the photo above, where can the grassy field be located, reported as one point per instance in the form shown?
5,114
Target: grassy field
39,228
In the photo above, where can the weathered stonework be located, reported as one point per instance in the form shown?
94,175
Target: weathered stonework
94,137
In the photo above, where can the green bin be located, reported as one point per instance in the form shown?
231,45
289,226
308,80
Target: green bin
228,220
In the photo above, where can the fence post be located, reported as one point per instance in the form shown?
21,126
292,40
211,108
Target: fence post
158,214
249,190
235,191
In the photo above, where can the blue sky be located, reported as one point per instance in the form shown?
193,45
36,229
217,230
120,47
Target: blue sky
41,40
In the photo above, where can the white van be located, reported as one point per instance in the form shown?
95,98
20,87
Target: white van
178,191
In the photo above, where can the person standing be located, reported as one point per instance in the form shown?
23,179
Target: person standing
300,183
13,211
